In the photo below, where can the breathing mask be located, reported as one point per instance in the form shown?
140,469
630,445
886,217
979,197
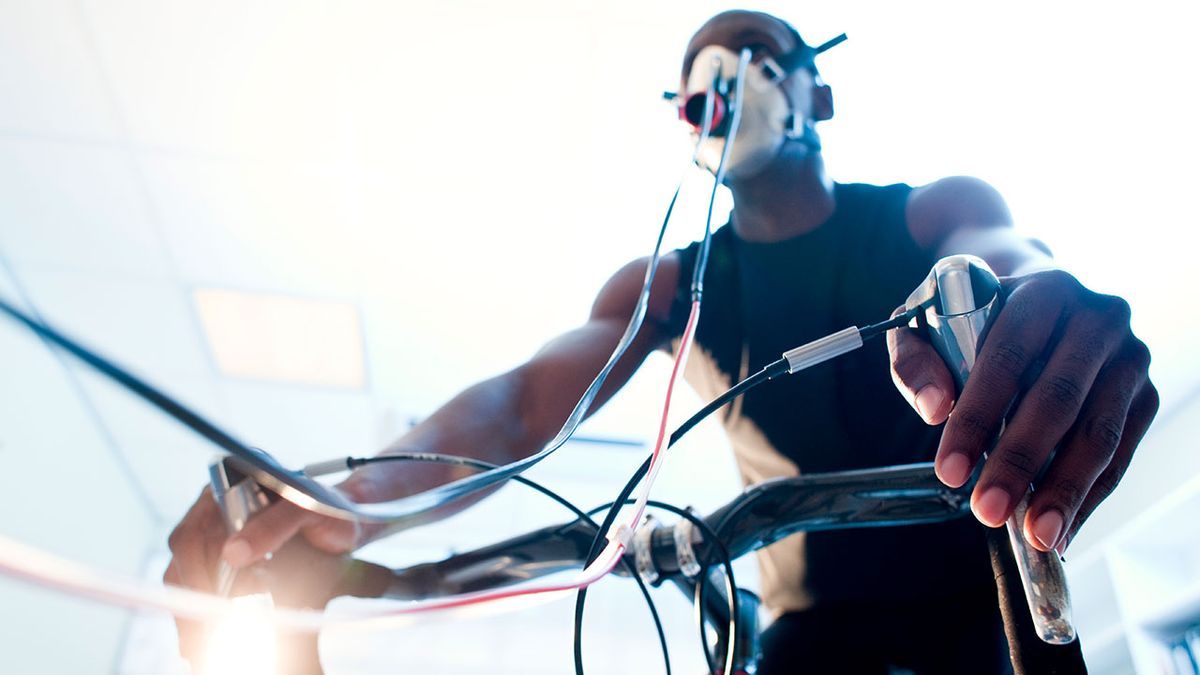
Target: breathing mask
767,118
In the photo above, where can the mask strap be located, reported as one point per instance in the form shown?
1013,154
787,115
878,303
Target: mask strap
801,57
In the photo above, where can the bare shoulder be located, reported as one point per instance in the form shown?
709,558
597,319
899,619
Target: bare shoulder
620,293
937,210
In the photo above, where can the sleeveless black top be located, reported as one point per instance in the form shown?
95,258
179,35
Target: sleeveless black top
761,299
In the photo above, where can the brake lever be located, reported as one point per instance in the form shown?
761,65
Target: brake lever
958,301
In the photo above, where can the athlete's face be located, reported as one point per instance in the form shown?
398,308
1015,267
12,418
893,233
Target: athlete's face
765,36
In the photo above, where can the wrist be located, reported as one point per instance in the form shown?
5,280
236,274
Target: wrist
388,480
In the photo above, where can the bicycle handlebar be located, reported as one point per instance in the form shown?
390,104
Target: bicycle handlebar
763,514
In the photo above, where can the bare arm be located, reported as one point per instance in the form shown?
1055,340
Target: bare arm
515,414
499,420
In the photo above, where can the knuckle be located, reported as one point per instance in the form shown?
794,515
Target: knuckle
175,538
1104,434
1008,357
1060,395
972,426
1153,400
1089,347
1139,354
1019,460
1106,484
908,365
1063,282
1068,493
1116,310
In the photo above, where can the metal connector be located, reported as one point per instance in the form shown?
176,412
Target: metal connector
818,351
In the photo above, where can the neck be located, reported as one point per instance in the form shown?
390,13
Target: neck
785,200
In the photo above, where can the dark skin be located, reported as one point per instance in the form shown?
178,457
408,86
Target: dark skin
1068,354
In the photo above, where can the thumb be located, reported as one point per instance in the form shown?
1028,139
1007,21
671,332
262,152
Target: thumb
264,533
921,375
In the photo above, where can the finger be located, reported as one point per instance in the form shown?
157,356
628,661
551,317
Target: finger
1141,413
264,533
195,544
1017,338
333,535
191,632
1045,414
920,374
1086,452
250,581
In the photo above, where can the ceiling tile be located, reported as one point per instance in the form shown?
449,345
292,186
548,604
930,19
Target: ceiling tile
299,425
283,338
226,77
76,498
48,73
256,226
169,461
78,206
146,326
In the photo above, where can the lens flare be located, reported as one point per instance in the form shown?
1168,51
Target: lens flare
244,643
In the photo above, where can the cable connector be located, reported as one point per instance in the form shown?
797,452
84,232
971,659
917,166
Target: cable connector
329,466
819,351
623,535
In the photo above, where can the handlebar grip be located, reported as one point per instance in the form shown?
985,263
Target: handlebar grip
1030,654
961,296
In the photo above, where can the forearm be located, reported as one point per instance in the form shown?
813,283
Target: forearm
482,422
1006,252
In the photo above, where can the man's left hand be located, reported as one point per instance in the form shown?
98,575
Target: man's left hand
1084,401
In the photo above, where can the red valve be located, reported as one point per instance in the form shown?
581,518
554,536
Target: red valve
692,112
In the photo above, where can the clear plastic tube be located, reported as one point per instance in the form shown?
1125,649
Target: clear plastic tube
1044,581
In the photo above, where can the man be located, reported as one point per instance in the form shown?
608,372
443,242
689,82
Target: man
801,257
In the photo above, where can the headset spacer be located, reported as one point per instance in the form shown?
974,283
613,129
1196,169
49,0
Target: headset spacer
684,553
643,554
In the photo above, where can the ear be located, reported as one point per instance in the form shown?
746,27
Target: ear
822,108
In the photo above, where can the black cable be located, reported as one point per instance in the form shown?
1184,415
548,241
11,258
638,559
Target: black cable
147,392
730,583
771,371
775,369
718,533
719,176
701,583
884,326
597,546
481,465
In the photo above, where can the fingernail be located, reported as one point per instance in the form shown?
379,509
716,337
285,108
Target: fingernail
929,400
991,506
1047,527
954,469
237,553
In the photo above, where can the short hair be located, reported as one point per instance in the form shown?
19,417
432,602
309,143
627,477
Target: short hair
748,37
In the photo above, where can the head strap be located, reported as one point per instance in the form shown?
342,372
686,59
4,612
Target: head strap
800,57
